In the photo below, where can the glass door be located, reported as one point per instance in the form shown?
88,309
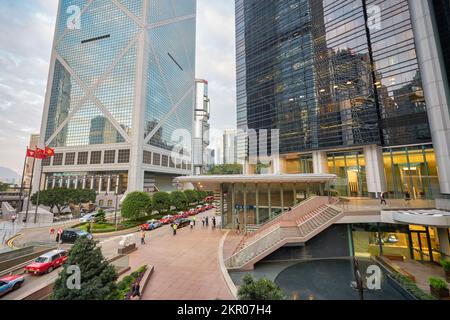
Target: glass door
420,246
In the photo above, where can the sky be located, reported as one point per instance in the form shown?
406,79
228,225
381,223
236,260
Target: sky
25,46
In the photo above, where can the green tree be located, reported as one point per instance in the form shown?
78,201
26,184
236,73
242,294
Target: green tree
201,195
4,186
178,199
98,277
80,196
136,205
58,198
191,196
263,289
100,217
226,169
161,201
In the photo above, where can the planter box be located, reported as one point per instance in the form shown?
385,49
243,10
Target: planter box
127,249
439,294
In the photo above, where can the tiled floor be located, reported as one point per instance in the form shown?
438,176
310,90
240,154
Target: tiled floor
186,265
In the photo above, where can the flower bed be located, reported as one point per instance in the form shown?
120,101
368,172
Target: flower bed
125,286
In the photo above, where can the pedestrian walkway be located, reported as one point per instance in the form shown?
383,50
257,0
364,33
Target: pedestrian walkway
421,271
186,265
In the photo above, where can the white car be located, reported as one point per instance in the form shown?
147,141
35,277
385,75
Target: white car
88,217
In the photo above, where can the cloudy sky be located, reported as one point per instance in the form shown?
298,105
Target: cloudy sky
25,44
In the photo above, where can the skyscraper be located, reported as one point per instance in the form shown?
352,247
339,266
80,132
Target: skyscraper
121,85
201,127
355,88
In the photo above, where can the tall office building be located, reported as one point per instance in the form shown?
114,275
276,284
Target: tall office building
356,88
121,83
201,127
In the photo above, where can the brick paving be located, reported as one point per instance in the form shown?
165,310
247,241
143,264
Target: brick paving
186,265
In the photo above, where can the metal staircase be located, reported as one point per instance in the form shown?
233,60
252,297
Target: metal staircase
299,225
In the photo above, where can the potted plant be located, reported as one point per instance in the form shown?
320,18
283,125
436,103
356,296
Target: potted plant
446,265
438,287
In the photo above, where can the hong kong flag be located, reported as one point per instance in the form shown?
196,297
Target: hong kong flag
31,153
40,154
49,152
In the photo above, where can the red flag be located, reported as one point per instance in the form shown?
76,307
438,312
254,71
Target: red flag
49,152
40,154
31,153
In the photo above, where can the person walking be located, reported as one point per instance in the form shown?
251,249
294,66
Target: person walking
382,199
191,224
194,220
142,236
214,222
203,221
174,227
207,220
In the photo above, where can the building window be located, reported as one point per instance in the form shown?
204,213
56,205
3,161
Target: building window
124,156
147,157
172,162
82,158
101,203
46,162
70,159
165,161
189,166
184,165
58,159
110,156
110,203
156,159
178,162
96,157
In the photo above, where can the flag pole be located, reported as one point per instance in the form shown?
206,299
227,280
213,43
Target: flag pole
20,204
39,191
30,189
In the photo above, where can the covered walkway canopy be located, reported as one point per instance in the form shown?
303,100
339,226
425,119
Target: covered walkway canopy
256,199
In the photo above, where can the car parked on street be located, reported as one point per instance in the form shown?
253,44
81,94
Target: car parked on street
167,219
181,223
71,235
89,217
200,208
47,262
151,225
10,283
192,212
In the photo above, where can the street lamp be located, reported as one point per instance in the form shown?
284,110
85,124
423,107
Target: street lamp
116,191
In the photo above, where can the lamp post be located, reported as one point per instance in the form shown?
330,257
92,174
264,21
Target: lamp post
116,191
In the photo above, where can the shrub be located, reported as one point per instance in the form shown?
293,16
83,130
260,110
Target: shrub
161,201
437,283
191,196
100,217
124,287
263,289
411,287
178,200
446,265
135,205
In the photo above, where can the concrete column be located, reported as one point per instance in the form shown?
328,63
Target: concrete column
375,176
100,182
84,182
444,240
108,187
61,181
117,184
320,162
92,182
54,182
76,182
257,204
245,205
269,199
435,85
276,167
282,197
68,182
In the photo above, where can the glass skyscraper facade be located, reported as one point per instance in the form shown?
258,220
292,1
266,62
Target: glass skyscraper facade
121,80
342,82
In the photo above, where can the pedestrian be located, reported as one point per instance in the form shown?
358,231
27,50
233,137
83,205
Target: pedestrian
142,237
237,228
13,219
207,220
137,290
57,237
194,220
191,224
174,227
203,221
382,199
214,222
407,197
